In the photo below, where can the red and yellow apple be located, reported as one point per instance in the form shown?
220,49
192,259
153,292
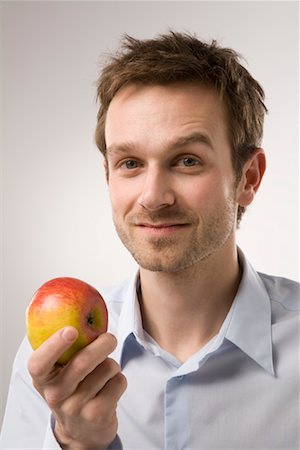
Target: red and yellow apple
61,302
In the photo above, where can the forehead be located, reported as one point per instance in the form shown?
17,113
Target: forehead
162,111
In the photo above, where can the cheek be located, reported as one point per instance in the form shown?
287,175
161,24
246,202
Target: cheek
206,191
121,197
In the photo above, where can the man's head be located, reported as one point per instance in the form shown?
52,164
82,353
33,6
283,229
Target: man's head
176,57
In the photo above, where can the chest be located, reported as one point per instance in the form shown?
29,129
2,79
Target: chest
230,402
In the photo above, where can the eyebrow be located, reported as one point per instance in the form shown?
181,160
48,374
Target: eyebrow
120,148
194,138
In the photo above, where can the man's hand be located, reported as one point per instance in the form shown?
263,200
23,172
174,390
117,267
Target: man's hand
82,395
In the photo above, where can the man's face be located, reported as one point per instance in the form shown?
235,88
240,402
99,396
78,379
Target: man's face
170,176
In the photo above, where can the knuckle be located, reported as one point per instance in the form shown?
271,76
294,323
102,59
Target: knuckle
80,364
121,382
90,413
34,367
52,397
110,340
98,413
71,408
111,366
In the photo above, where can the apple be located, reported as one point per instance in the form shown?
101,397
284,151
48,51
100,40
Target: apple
61,302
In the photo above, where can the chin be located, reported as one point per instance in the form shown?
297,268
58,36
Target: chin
166,265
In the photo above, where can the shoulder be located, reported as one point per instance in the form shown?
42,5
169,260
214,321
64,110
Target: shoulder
285,322
282,291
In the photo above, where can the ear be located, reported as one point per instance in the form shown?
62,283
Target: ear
105,165
252,175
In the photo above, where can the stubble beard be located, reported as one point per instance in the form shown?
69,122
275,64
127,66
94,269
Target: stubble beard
183,250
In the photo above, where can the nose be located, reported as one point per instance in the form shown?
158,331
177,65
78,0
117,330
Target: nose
157,192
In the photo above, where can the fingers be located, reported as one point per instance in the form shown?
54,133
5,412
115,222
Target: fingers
83,395
56,384
96,380
104,404
87,359
113,390
42,361
105,380
83,364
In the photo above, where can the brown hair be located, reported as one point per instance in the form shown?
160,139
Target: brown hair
177,57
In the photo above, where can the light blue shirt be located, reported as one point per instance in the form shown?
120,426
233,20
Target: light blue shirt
240,391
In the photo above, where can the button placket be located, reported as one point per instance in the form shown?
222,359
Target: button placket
176,414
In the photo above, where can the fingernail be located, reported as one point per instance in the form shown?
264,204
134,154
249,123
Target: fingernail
69,334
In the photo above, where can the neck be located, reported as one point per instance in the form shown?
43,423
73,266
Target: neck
182,311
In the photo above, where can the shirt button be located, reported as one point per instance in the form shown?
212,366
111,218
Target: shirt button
179,378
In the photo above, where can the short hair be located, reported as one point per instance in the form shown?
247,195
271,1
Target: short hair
182,57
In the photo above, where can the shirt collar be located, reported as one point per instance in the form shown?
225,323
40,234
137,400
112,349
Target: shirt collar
248,324
130,320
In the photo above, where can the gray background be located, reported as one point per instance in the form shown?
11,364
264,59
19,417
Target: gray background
54,208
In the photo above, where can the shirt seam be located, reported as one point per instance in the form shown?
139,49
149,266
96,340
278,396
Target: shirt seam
284,306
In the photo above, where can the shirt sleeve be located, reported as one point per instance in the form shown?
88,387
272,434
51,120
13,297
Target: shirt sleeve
116,444
26,415
50,442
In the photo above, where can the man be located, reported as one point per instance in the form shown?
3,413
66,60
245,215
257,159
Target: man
202,351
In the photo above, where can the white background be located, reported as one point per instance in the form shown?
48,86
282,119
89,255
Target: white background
54,208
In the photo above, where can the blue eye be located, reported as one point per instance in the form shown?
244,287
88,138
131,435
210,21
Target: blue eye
130,164
189,161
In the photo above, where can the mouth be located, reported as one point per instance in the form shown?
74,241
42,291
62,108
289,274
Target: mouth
161,229
159,225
